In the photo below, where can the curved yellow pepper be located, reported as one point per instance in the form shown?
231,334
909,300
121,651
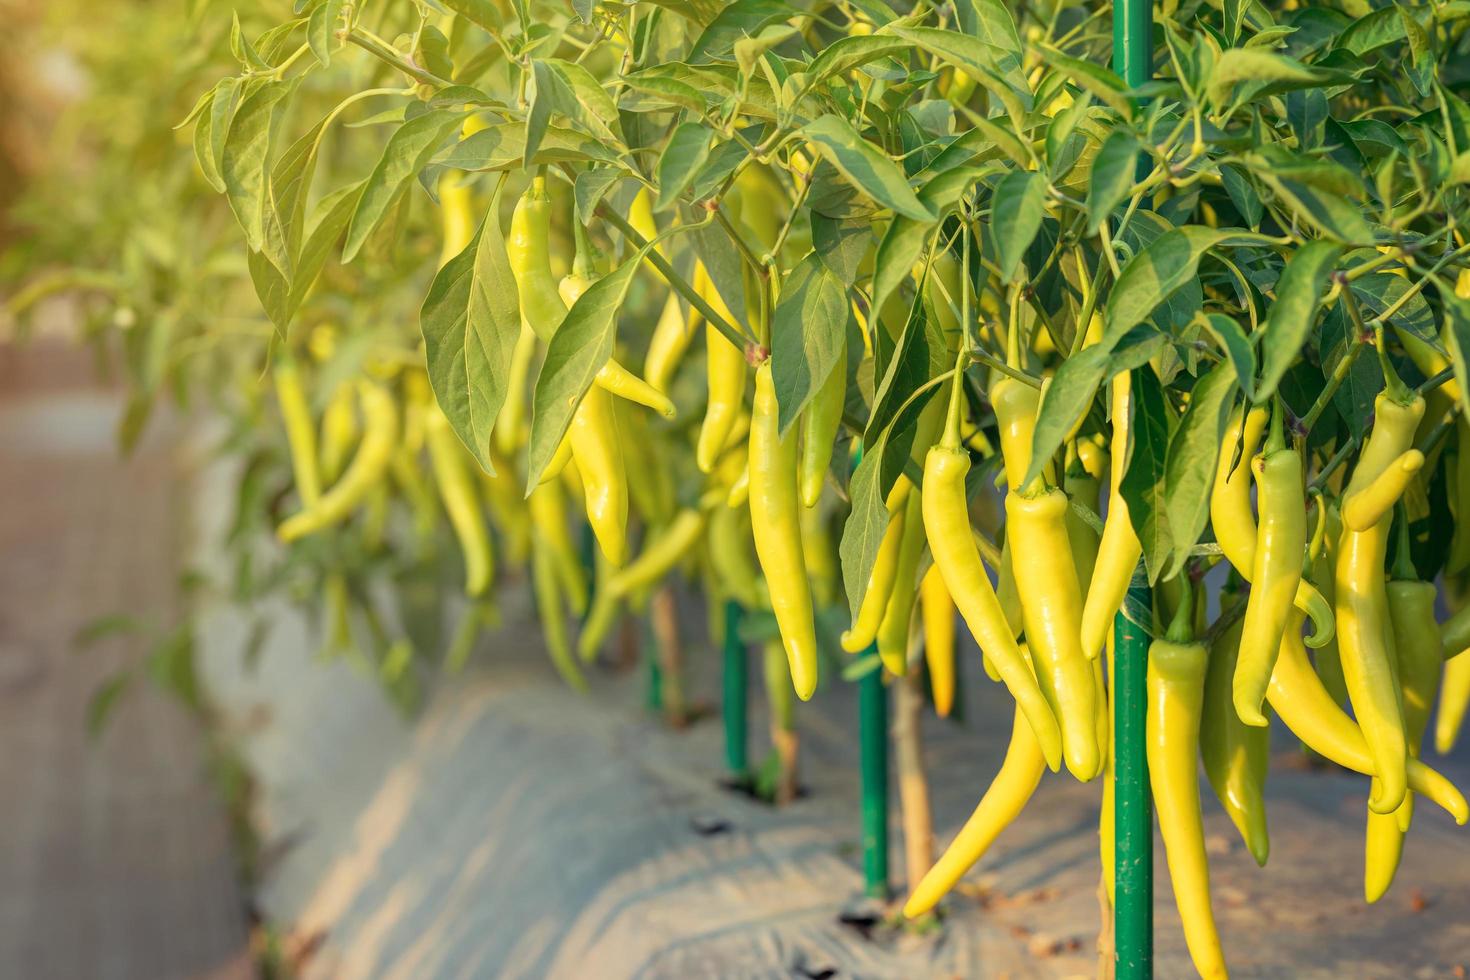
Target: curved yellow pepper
777,527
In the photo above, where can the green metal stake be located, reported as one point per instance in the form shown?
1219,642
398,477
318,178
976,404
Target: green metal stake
733,699
1133,921
873,743
1133,820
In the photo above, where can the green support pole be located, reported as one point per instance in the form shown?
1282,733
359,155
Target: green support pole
873,742
1133,919
1132,41
1133,820
733,698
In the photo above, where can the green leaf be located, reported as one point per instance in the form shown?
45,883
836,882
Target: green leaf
320,28
408,151
744,18
683,156
1019,203
246,151
577,351
470,323
482,13
808,330
991,22
904,241
994,68
1289,322
1143,484
864,167
1065,402
1237,346
1354,397
882,461
1113,175
847,53
1319,192
920,354
590,187
842,244
571,90
1104,85
1269,73
1189,468
1457,343
1167,265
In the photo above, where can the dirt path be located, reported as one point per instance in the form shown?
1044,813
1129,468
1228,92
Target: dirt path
114,855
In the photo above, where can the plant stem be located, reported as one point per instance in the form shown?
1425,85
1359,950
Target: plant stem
1339,375
913,782
664,612
678,282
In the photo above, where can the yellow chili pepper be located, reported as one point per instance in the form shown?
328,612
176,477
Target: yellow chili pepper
339,432
1235,525
1082,487
1420,657
1176,685
457,214
725,366
1454,699
1364,638
510,424
1368,506
819,425
508,509
776,524
300,429
669,547
1106,835
864,629
366,470
548,508
1010,791
730,544
822,564
1236,755
553,618
1119,550
650,484
1046,583
460,500
598,451
1323,554
938,611
530,261
893,631
671,336
1281,542
947,525
1304,706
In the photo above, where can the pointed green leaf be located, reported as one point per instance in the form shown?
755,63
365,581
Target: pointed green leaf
808,330
408,151
470,323
1017,208
1113,177
1189,468
580,347
1143,484
1289,322
864,167
1153,275
683,156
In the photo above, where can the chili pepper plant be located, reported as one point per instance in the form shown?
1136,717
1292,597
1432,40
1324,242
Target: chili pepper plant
825,308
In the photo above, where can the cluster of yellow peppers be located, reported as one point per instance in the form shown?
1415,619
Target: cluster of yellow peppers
1044,625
